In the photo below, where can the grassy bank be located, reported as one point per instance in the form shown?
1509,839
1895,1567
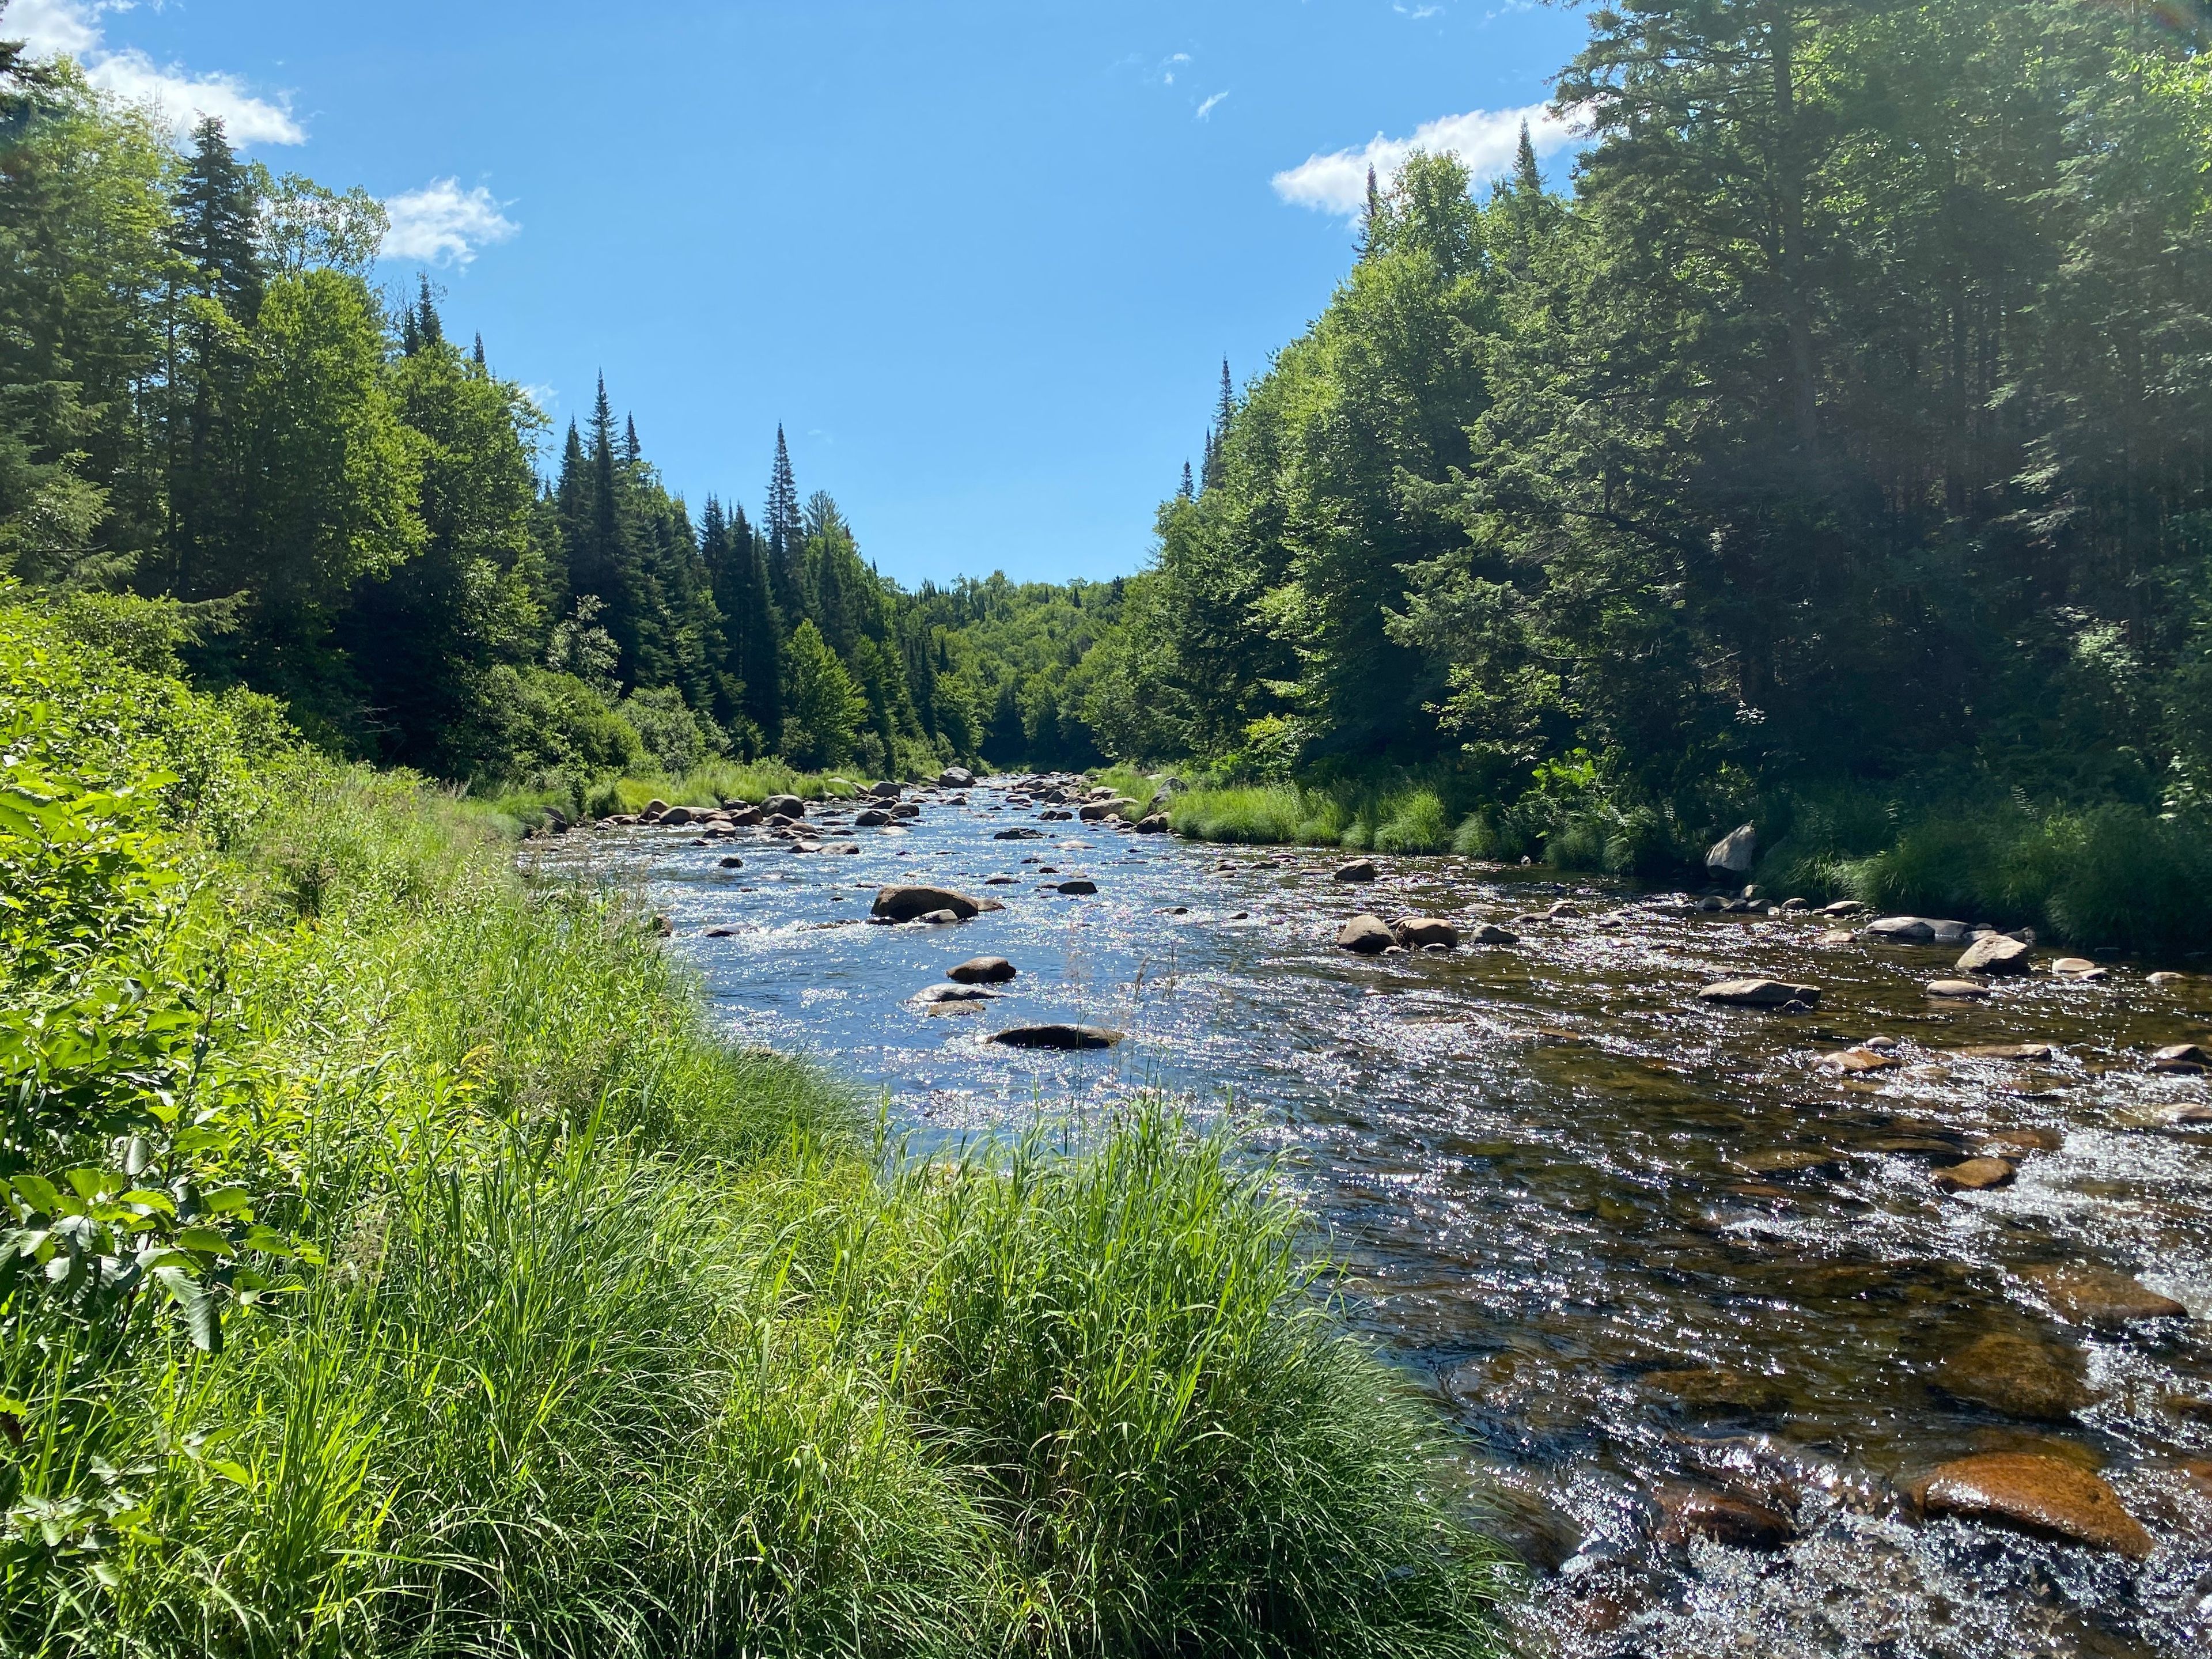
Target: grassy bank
402,1264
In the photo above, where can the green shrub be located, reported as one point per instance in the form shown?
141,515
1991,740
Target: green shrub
1414,823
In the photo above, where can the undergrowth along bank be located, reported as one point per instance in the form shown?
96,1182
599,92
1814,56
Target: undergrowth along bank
401,1264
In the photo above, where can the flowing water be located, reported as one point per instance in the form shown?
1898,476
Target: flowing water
1636,1247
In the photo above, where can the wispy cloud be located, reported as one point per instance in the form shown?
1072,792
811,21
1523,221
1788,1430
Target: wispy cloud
1207,108
1483,139
73,28
1417,13
442,224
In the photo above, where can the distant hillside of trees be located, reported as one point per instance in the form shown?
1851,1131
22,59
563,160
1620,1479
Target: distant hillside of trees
220,446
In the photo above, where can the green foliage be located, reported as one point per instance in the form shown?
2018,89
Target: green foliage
824,709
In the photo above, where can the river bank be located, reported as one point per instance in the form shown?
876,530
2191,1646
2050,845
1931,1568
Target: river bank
1655,1259
425,1273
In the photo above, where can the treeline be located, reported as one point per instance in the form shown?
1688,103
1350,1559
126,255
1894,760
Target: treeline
221,448
1848,424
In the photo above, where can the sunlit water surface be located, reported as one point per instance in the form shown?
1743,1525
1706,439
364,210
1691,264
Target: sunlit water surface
1556,1176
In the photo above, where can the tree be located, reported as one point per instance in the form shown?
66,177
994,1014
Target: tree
781,528
825,711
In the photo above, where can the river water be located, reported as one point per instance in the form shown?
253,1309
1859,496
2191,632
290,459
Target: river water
1634,1246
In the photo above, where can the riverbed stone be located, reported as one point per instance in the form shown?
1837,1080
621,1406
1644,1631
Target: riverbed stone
1915,930
1975,1175
1836,936
2164,977
1491,934
904,902
732,862
2038,1494
2017,1375
1714,1388
1859,1060
1995,953
1369,936
1733,853
1704,1512
2010,1051
1056,1037
2186,1057
2077,967
1420,932
1019,833
1956,990
970,993
2100,1296
1358,870
871,818
1758,992
1078,886
982,970
955,777
789,805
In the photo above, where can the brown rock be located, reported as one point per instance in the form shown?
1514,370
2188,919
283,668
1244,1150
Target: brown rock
904,904
982,970
2037,1494
1995,953
2180,1057
1701,1512
2097,1295
2017,1375
2027,1139
1368,935
2077,967
1962,989
1490,933
1859,1060
1358,870
2010,1051
1715,1388
1758,992
1975,1175
732,862
1415,931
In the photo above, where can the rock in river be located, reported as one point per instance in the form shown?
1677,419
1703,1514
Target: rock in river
871,819
982,970
1914,930
903,903
1995,953
1078,886
2039,1494
1056,1037
1975,1175
2017,1375
1358,870
1758,992
1019,833
2097,1295
2077,967
1859,1060
1734,852
1701,1512
1963,990
1416,932
1491,934
1369,935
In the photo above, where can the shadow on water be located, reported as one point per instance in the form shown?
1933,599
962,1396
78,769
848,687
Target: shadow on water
1694,1296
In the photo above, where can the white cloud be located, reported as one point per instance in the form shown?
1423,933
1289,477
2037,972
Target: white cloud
442,224
1417,13
1483,139
1207,108
55,27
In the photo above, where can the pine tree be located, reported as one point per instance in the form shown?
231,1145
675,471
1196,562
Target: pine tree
1218,435
1528,178
1185,492
632,451
1371,216
216,215
433,331
782,524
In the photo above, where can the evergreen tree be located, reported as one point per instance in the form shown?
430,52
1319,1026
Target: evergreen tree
780,524
214,224
1183,491
1217,434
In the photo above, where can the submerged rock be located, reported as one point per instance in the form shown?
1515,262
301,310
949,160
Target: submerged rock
1859,1060
1702,1512
2039,1494
1711,1387
2010,1051
2017,1375
982,970
2097,1295
1758,992
1056,1037
937,993
1368,935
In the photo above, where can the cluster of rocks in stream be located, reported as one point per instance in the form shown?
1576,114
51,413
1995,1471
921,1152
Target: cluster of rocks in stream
2031,1375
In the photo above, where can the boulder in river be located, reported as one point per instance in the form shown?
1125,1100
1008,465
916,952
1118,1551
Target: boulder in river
1709,1388
2077,967
652,809
1914,930
2097,1295
1155,824
955,777
871,818
789,805
906,809
1995,953
2039,1494
1975,1175
1056,1037
1368,935
677,817
1078,886
905,902
1491,934
982,970
2181,1057
1757,993
1836,936
2164,977
1702,1512
1419,931
2017,1375
1963,990
1859,1060
931,993
1358,870
732,862
2010,1051
1733,853
1019,833
747,817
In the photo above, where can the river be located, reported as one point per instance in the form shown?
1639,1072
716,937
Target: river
1653,1259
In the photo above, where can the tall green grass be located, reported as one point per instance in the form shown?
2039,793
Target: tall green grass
1389,820
607,1337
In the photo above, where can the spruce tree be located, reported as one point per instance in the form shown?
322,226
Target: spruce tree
1371,214
432,330
1185,492
786,536
479,357
1218,435
215,217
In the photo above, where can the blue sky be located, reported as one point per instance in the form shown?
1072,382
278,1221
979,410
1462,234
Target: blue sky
982,260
